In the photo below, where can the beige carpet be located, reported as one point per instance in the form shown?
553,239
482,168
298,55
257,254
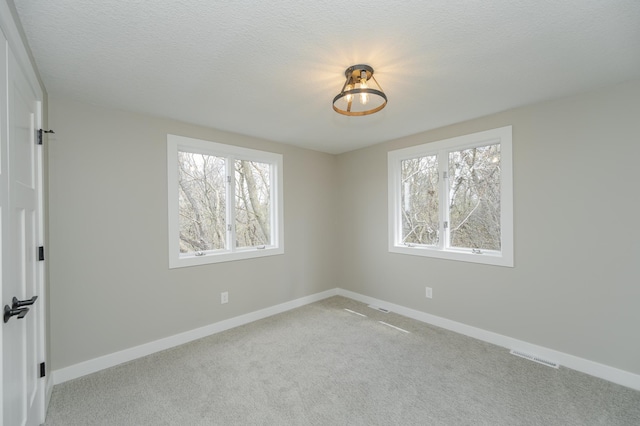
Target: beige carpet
323,365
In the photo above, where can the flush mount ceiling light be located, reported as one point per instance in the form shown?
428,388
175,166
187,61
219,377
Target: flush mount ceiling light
361,94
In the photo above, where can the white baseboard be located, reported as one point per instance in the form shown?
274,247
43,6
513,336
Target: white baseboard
93,365
592,368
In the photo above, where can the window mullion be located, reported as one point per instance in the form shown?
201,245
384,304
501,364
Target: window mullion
231,204
445,223
273,204
395,211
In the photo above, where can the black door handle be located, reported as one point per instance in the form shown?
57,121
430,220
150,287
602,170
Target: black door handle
20,303
8,312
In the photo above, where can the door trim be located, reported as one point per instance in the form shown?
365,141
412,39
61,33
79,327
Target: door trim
16,43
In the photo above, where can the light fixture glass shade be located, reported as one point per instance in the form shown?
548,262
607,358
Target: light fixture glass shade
361,94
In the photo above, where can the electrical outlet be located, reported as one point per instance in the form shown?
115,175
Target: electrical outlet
224,297
429,292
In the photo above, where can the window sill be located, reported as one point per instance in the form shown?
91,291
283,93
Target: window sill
184,260
487,258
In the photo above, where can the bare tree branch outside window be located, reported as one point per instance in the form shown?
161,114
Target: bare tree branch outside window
420,200
253,203
202,202
202,187
474,198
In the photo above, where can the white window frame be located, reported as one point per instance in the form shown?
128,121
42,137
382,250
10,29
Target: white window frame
441,148
230,152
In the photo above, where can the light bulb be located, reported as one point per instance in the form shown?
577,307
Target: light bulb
364,97
349,98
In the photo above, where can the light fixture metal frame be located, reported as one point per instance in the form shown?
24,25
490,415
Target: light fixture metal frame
353,75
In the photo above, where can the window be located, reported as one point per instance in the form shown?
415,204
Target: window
225,202
453,199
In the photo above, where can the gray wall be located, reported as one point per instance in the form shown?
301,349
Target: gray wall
575,286
577,253
110,285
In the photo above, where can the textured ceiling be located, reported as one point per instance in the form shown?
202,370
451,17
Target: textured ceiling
271,68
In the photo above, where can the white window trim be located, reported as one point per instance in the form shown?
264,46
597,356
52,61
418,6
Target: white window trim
501,135
177,259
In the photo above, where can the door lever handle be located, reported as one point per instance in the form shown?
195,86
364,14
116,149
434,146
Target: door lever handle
20,312
20,303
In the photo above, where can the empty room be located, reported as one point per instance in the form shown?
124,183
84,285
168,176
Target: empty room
320,213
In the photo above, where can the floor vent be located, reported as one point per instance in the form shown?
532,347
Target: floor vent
354,312
535,359
393,326
377,308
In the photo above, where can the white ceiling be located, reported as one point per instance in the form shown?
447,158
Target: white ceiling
271,68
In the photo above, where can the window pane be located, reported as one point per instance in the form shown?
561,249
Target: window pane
474,198
202,198
253,203
419,195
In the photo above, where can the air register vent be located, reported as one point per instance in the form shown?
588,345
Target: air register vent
535,358
378,308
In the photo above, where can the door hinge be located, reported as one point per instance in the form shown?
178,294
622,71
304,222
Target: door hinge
229,228
40,132
41,253
445,175
446,225
43,370
228,179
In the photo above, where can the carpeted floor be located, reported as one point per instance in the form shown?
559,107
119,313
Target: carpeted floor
323,365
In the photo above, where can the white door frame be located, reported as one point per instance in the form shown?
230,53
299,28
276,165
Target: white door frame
15,44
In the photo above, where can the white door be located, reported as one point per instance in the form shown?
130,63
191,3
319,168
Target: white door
22,273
